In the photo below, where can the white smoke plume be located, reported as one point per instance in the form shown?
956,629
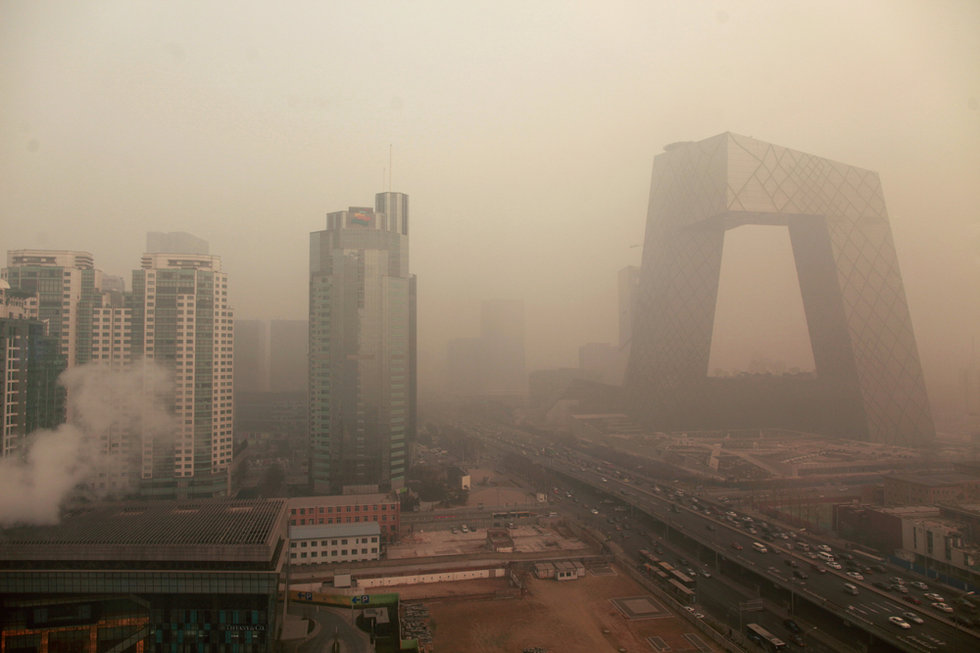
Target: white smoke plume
127,406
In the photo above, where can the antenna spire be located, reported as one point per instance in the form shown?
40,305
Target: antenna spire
389,167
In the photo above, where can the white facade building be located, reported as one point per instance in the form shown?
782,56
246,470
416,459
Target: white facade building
334,543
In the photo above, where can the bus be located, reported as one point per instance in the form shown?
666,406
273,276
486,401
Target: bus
649,569
648,557
764,638
682,578
666,566
684,595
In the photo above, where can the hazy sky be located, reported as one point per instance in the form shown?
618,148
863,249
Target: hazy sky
524,133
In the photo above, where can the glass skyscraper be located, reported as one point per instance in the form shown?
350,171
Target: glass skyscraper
362,348
868,383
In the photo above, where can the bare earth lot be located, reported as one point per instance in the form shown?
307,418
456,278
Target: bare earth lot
557,616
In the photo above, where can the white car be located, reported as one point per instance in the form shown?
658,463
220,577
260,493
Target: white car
919,585
834,565
901,623
942,607
914,618
932,596
855,575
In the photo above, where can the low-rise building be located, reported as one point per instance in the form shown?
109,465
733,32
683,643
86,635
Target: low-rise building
383,509
334,543
931,489
157,576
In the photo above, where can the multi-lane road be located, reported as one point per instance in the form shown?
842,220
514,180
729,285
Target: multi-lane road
726,538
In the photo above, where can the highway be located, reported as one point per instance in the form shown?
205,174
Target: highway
727,539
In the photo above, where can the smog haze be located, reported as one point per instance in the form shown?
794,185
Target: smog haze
524,134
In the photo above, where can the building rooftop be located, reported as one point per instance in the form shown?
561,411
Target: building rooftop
360,529
212,530
933,480
340,500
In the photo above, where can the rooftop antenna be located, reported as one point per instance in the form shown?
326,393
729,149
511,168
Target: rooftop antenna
389,167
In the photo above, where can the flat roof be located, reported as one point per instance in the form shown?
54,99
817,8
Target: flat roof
334,530
934,480
212,530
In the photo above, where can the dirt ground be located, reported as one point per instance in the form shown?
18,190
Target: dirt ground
556,616
504,494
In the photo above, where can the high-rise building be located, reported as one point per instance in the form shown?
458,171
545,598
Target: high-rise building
868,383
175,242
502,332
30,363
66,284
362,357
182,321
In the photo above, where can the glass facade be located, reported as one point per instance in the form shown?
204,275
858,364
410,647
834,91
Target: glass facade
868,381
362,347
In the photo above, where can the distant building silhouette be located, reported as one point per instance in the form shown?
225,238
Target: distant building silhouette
251,356
175,242
502,332
868,383
289,355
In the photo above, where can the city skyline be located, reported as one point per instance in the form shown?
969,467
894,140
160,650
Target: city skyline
532,191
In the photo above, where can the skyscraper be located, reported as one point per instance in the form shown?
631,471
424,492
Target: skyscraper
30,362
66,285
868,382
182,321
362,347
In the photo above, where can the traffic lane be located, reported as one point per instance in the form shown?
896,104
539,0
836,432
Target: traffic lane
824,587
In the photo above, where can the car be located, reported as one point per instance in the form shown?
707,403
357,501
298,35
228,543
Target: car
594,511
736,546
855,575
897,580
878,568
878,584
919,585
690,572
706,573
932,596
942,607
901,623
800,574
913,617
901,589
834,565
908,598
791,562
792,626
797,639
